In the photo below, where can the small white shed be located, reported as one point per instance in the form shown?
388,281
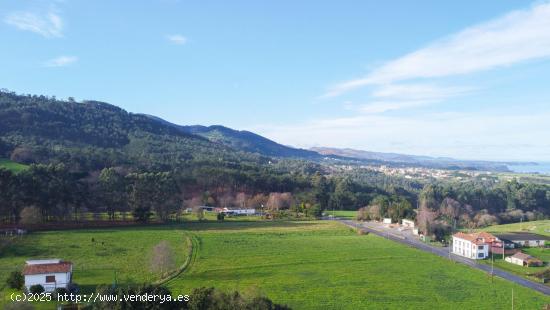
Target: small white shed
407,223
386,220
50,273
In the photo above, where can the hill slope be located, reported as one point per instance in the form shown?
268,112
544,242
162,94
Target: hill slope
94,134
242,140
247,141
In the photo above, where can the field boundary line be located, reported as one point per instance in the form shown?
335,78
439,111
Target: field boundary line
191,255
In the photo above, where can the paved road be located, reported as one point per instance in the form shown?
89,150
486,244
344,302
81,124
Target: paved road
407,239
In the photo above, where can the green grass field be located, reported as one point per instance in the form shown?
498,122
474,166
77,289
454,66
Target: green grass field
305,264
537,227
343,214
124,250
11,165
324,265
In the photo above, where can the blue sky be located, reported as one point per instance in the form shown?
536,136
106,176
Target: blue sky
467,79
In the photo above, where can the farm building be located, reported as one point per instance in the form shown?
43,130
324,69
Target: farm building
50,273
521,239
523,259
407,223
239,211
474,245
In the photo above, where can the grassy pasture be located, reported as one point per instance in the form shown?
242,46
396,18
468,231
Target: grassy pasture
343,214
325,265
124,250
11,165
305,264
536,227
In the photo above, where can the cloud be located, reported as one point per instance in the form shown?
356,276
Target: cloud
49,25
176,39
61,61
401,96
518,36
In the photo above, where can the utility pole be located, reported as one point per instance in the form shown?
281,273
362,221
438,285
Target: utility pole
492,263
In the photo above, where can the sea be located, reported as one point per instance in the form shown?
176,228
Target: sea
540,167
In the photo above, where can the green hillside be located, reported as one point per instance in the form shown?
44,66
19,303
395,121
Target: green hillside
91,134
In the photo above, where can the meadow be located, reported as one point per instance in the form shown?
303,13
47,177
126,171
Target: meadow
11,165
121,254
305,264
538,227
343,214
325,265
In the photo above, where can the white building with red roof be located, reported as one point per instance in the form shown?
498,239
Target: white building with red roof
474,245
50,273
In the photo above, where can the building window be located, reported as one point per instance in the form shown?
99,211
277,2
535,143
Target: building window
50,279
480,247
480,255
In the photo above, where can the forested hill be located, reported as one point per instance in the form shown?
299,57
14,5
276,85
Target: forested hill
91,135
245,141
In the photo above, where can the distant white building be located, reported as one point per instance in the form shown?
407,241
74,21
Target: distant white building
523,259
386,220
239,211
474,246
407,223
50,273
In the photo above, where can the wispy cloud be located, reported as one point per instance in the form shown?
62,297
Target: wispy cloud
402,96
49,25
518,36
176,39
61,61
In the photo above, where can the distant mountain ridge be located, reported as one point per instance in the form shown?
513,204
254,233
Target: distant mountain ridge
415,160
243,140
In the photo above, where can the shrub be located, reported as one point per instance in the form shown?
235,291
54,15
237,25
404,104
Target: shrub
36,289
60,291
15,280
73,288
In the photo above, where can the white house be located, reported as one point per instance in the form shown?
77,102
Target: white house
475,245
50,273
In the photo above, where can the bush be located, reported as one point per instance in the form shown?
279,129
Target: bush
15,280
73,288
60,291
36,289
221,216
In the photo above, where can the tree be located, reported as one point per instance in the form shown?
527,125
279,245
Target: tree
113,191
30,215
141,195
162,258
199,212
15,280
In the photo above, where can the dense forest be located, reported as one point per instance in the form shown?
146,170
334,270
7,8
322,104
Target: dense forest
94,158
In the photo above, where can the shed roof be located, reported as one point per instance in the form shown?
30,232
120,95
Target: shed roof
521,236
